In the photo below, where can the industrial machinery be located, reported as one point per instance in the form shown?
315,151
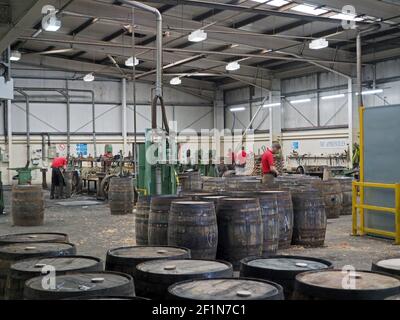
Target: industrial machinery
24,175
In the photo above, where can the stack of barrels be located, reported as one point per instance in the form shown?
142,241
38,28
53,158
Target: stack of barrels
121,195
190,181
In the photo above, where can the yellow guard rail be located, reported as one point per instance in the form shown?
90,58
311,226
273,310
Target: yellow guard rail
361,206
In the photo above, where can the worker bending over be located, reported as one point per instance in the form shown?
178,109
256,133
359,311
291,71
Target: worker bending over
58,165
269,171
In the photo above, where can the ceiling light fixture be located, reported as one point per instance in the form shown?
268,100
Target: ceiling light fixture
277,3
15,55
317,44
334,96
129,62
175,81
300,101
232,66
197,36
371,92
238,109
270,105
89,77
50,22
309,9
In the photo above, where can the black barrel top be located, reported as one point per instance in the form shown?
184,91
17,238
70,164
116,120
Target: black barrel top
147,252
61,264
16,251
78,284
391,266
289,263
182,267
226,289
33,237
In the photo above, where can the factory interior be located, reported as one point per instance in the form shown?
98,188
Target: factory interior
199,151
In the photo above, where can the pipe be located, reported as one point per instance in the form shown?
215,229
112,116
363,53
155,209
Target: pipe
10,140
124,131
93,125
28,130
159,53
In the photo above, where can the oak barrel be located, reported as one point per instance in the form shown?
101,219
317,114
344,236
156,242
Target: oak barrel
346,186
142,220
332,195
24,270
190,181
390,266
152,278
85,284
334,285
27,205
33,237
126,259
286,218
11,253
121,195
226,289
213,184
281,269
158,219
193,225
240,229
309,218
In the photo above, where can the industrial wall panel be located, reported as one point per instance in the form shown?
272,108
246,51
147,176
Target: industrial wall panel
237,120
333,112
301,115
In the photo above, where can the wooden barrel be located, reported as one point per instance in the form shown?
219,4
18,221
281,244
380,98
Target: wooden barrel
213,184
390,266
81,284
196,195
332,195
14,252
309,227
126,259
213,199
152,278
158,219
24,270
333,285
232,184
193,225
286,218
33,237
121,195
347,194
281,269
142,220
226,289
27,205
240,229
190,181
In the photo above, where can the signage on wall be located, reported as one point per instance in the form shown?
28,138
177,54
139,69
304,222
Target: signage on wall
331,144
295,145
82,149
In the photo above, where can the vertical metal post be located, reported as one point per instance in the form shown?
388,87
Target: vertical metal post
124,131
354,209
271,121
397,216
350,119
68,122
28,131
10,139
94,125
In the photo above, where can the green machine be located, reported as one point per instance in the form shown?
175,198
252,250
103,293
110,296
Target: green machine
24,175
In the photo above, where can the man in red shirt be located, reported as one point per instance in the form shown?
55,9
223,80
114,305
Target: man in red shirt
268,168
57,178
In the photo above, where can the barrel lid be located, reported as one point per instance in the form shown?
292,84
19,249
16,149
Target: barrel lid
362,280
238,199
81,282
289,263
16,250
32,237
147,252
226,289
180,267
191,203
61,264
393,264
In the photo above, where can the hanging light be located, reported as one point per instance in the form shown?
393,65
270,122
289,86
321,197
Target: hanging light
89,77
318,44
334,96
232,66
129,62
238,109
370,92
271,105
175,81
15,55
300,101
197,36
50,22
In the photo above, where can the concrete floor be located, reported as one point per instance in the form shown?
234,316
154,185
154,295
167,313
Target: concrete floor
94,231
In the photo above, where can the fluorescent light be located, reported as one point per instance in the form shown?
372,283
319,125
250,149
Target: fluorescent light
197,36
237,109
89,77
50,22
277,3
318,44
129,62
260,1
175,81
309,9
346,17
370,92
334,96
233,66
270,105
15,55
300,101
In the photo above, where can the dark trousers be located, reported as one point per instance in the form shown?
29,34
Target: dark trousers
57,182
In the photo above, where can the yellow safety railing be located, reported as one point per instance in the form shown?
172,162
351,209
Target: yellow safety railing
359,207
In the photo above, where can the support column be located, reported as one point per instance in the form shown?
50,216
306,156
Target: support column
219,112
123,118
350,119
10,140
